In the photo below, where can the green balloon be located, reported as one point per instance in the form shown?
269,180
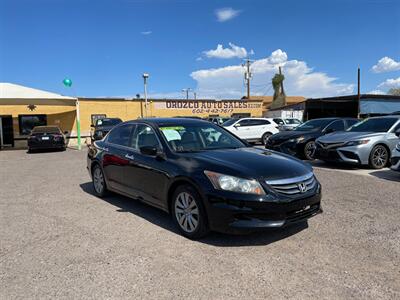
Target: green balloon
67,82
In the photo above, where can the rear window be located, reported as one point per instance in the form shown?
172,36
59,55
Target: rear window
46,130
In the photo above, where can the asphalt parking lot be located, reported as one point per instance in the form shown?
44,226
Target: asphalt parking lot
57,240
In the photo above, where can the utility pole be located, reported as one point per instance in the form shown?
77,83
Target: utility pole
247,75
358,92
187,92
145,77
195,95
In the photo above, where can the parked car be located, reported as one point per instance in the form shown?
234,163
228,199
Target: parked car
102,127
217,120
368,142
252,129
46,137
288,124
300,142
223,185
395,160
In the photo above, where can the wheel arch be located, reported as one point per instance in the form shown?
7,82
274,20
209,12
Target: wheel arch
178,182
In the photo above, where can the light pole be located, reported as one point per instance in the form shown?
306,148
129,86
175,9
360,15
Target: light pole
145,77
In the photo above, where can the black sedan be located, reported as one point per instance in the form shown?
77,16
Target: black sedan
204,176
46,137
300,142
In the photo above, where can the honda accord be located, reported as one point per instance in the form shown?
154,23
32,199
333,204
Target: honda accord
204,176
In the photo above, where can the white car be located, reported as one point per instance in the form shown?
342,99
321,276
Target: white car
252,129
287,123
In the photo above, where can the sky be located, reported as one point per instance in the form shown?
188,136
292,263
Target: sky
104,46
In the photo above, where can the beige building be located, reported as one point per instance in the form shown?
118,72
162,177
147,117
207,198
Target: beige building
22,108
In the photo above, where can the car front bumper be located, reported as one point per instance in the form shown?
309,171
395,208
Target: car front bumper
288,147
233,215
357,155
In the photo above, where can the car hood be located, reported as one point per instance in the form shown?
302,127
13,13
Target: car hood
338,137
251,163
287,135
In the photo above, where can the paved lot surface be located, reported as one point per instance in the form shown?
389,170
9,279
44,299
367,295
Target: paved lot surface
57,240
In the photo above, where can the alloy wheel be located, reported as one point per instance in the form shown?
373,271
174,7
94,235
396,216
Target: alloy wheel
98,180
187,212
309,150
379,157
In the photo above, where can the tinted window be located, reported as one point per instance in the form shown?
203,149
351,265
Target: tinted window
335,126
244,122
315,124
351,122
41,129
373,125
120,135
258,122
108,122
278,121
28,122
144,136
229,122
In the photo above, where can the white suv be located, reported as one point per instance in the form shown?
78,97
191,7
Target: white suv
252,129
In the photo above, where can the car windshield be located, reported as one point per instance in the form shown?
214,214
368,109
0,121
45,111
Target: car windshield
108,122
230,122
315,124
373,125
199,137
46,130
292,121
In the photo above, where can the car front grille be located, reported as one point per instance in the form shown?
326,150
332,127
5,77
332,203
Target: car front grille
293,186
330,145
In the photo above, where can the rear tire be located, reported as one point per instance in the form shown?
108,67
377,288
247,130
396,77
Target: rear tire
99,183
188,212
379,157
265,138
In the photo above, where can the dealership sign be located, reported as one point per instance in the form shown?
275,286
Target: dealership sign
199,107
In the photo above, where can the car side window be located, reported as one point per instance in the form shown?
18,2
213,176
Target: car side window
258,122
351,122
397,128
337,125
244,122
120,135
278,121
144,136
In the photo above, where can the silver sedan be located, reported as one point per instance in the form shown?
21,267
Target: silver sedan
369,142
395,161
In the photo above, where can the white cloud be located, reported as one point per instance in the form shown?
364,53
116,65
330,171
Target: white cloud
386,64
227,82
199,59
390,83
225,14
221,52
146,32
376,92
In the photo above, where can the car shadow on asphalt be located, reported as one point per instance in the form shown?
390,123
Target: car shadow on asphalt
387,175
162,219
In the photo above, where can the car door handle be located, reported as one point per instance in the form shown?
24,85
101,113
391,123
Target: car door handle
129,157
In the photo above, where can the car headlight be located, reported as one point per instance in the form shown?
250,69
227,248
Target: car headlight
234,184
357,143
298,140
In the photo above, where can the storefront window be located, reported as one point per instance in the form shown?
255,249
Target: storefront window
27,122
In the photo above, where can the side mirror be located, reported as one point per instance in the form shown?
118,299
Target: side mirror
66,132
149,150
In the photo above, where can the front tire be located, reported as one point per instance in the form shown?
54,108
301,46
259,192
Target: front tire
188,212
379,157
309,150
265,138
99,183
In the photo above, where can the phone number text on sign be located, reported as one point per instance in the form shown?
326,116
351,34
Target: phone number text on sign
212,111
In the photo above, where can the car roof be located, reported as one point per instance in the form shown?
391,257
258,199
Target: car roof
170,121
